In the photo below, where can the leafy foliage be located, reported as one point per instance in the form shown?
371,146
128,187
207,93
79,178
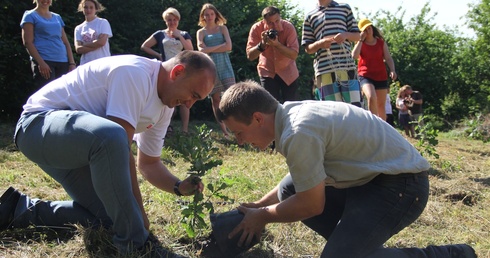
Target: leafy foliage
198,150
478,127
449,70
427,142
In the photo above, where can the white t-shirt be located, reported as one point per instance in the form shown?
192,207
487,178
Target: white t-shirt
122,86
90,31
388,107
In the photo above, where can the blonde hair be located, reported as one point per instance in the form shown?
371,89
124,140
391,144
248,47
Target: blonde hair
220,19
98,6
171,11
402,90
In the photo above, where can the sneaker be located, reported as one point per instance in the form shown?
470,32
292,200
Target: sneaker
8,201
461,251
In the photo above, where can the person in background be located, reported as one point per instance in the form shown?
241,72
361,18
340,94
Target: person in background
403,116
389,111
274,42
214,39
170,42
92,35
356,188
328,32
44,37
79,130
414,105
372,52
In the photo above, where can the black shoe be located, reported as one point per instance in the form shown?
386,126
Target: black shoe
461,251
8,201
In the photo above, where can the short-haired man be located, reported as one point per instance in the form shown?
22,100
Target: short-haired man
79,129
275,42
328,31
356,188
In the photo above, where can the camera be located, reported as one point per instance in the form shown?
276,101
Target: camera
272,33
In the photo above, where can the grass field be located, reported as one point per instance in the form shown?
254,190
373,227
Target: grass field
458,210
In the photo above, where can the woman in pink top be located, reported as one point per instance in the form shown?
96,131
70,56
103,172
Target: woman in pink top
372,52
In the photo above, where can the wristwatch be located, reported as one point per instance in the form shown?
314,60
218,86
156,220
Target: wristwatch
260,47
176,188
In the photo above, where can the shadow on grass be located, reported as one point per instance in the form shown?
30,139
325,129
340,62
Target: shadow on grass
480,153
98,244
97,241
37,234
483,181
207,247
438,173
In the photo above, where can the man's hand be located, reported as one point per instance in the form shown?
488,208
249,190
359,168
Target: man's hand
326,42
339,38
190,185
251,226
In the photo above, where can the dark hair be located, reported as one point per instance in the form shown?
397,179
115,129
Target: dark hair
243,99
269,11
377,33
195,61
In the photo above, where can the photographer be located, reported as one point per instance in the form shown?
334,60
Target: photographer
275,42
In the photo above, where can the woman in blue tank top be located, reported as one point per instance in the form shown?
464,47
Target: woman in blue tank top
214,40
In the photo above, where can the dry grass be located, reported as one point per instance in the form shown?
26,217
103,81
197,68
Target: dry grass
458,209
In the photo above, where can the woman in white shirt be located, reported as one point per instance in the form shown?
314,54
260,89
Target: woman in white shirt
92,35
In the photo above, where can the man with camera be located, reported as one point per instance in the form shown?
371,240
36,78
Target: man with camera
275,42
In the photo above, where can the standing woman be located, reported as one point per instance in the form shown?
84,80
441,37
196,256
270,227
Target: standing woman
372,52
92,35
214,40
44,37
170,42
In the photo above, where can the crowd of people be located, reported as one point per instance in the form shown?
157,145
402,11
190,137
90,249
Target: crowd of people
356,188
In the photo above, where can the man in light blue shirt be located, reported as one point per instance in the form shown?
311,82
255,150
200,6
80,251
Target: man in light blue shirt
352,178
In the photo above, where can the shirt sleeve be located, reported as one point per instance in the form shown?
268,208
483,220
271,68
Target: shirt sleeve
150,142
308,36
127,94
186,35
26,18
254,36
351,21
292,38
60,20
106,28
304,155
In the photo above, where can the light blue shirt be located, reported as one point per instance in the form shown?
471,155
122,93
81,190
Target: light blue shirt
47,35
340,144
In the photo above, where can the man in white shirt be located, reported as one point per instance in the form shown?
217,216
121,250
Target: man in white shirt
79,129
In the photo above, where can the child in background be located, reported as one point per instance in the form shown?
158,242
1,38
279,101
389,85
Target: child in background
403,116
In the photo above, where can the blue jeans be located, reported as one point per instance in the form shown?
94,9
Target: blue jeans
357,221
89,156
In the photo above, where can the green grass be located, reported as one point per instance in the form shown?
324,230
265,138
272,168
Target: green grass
458,210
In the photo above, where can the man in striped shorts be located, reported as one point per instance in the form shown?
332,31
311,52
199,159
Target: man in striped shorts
328,31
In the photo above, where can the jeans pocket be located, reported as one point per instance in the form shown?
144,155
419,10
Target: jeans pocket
412,202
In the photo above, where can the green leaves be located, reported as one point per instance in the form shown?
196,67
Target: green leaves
197,149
